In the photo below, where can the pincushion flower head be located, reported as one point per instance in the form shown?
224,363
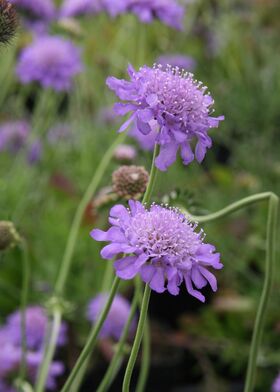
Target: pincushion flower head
13,135
171,102
163,247
51,61
36,326
117,316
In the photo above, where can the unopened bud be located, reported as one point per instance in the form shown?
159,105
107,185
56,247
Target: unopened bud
130,182
8,235
8,21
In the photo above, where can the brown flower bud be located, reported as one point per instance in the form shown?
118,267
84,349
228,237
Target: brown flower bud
130,182
8,235
8,21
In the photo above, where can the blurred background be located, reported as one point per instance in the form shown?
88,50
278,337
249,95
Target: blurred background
57,139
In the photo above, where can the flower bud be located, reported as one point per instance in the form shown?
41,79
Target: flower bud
8,235
8,21
130,182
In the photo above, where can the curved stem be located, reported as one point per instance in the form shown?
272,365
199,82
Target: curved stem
23,305
268,279
49,353
260,317
145,363
152,179
137,340
70,247
91,342
117,358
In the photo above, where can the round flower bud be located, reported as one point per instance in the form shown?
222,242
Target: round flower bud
8,235
8,21
130,182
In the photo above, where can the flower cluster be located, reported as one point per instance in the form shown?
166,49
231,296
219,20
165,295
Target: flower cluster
117,316
51,61
130,182
164,248
11,352
171,103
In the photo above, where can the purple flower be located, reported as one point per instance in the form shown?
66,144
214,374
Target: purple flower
36,325
276,384
34,153
169,12
36,9
50,60
10,359
163,247
13,135
172,103
117,316
80,7
178,60
125,152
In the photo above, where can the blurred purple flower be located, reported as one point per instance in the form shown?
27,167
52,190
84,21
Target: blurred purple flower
125,152
13,135
178,60
117,316
36,9
163,247
10,359
276,384
72,8
34,153
175,101
50,60
36,325
170,12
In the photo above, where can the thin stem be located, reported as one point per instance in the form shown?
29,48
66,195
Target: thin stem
23,305
152,179
49,353
137,340
117,358
145,363
268,278
71,243
91,342
260,317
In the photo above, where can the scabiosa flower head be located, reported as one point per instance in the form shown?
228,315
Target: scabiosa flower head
117,316
36,325
43,10
276,384
13,135
8,235
130,182
171,102
34,153
8,21
125,153
187,63
51,61
170,12
164,248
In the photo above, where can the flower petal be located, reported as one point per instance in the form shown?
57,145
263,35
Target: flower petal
126,267
166,156
191,290
210,278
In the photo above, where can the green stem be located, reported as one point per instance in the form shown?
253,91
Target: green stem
117,358
268,279
49,353
70,247
24,300
137,340
91,342
145,362
152,179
